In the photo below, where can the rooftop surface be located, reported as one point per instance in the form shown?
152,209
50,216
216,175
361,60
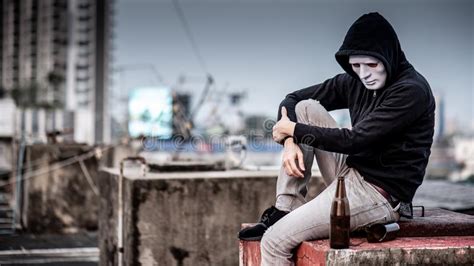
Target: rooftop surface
73,249
445,194
134,173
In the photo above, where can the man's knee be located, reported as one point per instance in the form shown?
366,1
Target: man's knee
266,244
301,107
273,245
310,109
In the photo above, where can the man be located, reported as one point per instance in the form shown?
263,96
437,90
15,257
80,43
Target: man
382,157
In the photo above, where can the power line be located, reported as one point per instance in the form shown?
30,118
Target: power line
142,66
189,34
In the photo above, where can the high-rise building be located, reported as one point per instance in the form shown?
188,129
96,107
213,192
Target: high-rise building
439,118
62,48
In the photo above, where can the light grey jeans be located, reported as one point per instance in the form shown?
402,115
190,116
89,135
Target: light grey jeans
310,220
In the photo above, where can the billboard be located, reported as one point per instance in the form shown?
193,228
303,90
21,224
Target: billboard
150,112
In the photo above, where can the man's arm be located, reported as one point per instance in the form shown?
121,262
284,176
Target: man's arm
397,111
332,94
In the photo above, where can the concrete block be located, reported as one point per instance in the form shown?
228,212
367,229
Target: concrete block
188,218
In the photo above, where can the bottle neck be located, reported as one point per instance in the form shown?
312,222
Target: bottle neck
341,188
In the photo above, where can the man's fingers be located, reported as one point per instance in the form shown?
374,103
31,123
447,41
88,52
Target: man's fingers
283,112
277,138
295,169
288,168
300,160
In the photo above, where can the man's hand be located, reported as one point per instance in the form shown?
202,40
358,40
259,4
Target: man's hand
291,154
284,127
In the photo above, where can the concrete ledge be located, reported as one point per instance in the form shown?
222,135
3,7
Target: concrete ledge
441,237
405,250
437,222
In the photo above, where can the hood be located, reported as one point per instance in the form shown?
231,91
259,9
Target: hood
372,35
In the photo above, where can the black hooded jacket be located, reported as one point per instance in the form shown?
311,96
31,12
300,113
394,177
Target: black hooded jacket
392,129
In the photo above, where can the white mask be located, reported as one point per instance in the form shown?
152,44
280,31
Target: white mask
370,70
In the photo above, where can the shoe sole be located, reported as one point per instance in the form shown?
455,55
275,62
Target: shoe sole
257,238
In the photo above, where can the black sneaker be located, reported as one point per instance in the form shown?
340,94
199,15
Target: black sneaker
269,217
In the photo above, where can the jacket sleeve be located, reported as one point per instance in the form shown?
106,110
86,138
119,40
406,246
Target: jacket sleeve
398,110
331,94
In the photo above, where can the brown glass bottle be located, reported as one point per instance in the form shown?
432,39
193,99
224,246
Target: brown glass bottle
340,218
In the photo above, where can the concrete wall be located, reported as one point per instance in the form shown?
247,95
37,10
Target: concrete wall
183,218
59,201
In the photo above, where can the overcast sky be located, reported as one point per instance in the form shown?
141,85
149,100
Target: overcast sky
270,48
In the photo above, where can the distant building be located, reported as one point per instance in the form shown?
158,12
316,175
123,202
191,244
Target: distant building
184,100
464,155
182,123
62,47
439,118
258,126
